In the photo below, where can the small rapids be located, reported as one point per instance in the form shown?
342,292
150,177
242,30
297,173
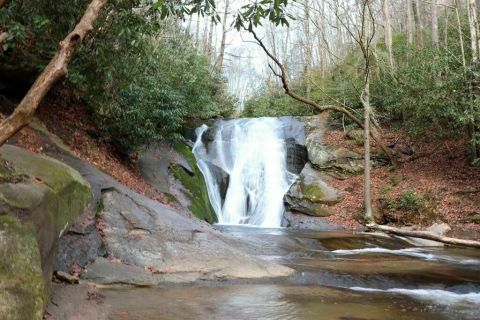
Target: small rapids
409,252
441,297
245,168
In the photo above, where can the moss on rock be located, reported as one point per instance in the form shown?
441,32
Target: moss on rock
195,186
34,212
22,291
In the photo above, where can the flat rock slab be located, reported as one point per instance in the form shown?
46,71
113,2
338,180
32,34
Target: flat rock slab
149,243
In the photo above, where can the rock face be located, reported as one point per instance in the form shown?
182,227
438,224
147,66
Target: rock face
297,156
149,244
39,198
311,194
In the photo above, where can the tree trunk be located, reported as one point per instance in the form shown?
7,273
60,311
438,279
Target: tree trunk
55,70
418,23
308,47
388,32
209,42
3,3
434,23
221,56
367,193
197,33
473,26
409,22
424,235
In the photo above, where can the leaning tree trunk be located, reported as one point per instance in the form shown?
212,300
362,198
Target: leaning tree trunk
55,70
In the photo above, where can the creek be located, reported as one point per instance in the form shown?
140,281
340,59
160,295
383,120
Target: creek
339,275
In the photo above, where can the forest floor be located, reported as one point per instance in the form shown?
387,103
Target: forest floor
434,182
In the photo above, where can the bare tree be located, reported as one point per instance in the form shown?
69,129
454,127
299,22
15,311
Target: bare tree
55,70
221,56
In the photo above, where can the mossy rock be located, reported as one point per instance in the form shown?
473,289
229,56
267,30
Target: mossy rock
311,194
44,203
194,184
22,290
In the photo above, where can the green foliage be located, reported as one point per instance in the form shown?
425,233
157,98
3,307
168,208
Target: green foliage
139,72
429,92
410,201
275,103
155,82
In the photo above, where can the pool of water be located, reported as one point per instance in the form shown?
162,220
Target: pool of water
339,276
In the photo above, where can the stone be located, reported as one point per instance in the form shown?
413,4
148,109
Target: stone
297,156
155,244
22,290
154,164
311,194
44,202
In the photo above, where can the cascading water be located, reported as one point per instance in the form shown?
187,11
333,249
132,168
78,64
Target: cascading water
253,153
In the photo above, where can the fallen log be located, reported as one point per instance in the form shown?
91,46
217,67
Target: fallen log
424,235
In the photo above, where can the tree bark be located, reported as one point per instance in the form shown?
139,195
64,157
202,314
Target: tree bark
434,23
388,32
367,193
409,22
308,47
418,23
473,26
424,235
221,56
55,70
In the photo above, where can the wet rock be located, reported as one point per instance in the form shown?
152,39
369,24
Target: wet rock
154,165
311,194
155,244
297,156
39,199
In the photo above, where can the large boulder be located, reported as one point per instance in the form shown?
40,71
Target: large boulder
148,244
311,194
327,157
39,198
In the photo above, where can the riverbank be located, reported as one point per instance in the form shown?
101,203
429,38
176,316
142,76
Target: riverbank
433,182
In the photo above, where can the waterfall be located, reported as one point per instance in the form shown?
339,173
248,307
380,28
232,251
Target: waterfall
245,168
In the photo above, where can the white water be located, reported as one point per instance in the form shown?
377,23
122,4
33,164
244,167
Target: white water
435,295
409,252
253,154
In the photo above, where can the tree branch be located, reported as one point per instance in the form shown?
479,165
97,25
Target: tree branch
351,116
55,70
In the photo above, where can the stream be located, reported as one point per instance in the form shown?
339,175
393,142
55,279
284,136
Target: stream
340,275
